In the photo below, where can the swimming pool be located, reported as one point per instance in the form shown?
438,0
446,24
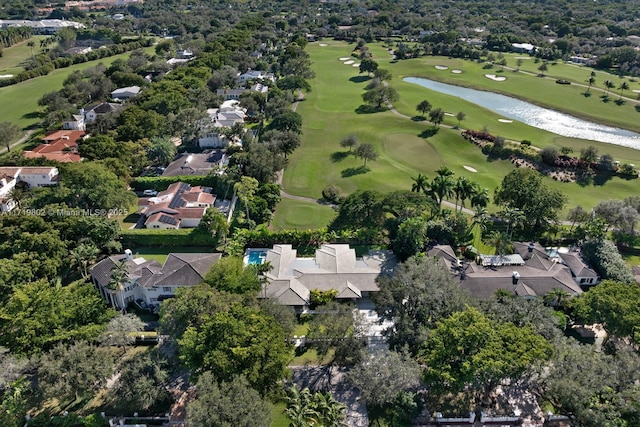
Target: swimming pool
256,256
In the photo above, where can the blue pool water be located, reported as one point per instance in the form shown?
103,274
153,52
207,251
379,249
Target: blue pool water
257,257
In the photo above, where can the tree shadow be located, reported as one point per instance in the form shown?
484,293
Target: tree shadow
620,102
339,156
586,94
429,132
368,109
418,118
31,115
354,171
637,107
359,79
605,98
601,178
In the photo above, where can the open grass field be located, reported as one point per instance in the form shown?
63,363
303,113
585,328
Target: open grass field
161,254
330,113
300,215
19,102
13,57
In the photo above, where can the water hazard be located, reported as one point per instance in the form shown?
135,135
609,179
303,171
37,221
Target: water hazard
533,115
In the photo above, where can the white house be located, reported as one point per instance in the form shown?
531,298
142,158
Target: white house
76,122
229,114
149,281
27,176
522,47
92,115
256,74
125,93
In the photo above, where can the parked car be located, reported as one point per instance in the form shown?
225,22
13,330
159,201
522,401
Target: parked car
150,193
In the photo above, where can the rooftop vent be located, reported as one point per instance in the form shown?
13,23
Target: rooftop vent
515,277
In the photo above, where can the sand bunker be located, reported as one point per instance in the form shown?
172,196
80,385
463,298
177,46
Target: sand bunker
344,58
470,169
441,67
349,62
495,78
635,90
6,76
522,57
323,44
357,64
505,121
456,71
449,114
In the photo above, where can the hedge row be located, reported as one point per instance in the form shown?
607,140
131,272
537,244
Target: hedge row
161,183
166,238
44,69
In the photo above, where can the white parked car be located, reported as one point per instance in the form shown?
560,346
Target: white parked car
150,193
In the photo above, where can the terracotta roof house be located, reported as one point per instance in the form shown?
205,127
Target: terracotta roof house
334,267
530,272
179,206
150,281
60,146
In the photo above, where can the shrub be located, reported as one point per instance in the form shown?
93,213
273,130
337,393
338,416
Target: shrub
166,238
525,142
606,260
333,194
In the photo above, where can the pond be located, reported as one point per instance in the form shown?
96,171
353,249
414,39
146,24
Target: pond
533,115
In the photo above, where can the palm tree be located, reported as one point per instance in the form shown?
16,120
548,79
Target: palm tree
82,256
623,86
119,277
463,189
591,80
31,44
300,409
608,84
514,216
480,218
556,298
420,184
442,185
480,196
498,240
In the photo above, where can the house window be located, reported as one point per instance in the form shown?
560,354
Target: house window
166,289
583,281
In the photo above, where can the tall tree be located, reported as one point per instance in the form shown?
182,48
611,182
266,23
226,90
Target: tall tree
462,189
442,184
8,132
424,107
379,95
229,403
468,352
246,189
366,152
591,80
436,116
121,331
161,151
420,293
368,66
420,184
349,141
460,116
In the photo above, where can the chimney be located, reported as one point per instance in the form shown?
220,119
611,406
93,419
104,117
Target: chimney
128,254
515,277
531,247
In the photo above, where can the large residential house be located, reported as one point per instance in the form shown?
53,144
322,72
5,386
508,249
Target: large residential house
255,74
91,115
530,272
44,26
125,93
205,163
179,206
149,281
234,94
76,122
23,177
227,115
334,267
60,146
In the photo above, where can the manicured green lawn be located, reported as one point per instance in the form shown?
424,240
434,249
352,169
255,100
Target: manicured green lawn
13,57
19,102
301,215
330,113
278,417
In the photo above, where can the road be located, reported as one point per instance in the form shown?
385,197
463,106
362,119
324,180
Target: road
26,136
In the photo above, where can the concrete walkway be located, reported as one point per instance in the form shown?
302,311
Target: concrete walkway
26,136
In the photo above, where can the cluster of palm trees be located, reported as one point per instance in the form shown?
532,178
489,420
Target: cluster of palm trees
608,85
306,408
13,35
443,186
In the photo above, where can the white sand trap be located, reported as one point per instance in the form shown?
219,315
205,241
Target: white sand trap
523,57
344,58
6,76
456,71
357,64
449,114
635,90
323,44
495,78
505,121
349,62
441,67
470,169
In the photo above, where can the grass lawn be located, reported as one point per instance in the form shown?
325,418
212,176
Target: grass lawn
278,417
301,215
160,254
330,113
311,357
12,59
19,102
